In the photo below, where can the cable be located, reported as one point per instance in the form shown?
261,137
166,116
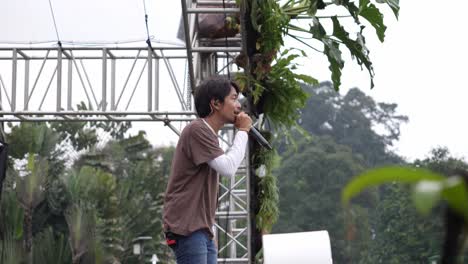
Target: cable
55,24
146,23
148,40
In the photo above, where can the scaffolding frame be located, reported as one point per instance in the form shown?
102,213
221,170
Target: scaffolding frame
42,84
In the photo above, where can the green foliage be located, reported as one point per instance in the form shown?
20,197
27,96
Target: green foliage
430,188
394,5
117,130
129,178
268,214
312,176
284,95
57,196
89,212
77,133
32,138
356,47
310,181
83,135
350,120
370,12
30,188
270,80
270,21
11,250
81,224
332,50
273,21
51,248
380,176
11,215
401,234
268,196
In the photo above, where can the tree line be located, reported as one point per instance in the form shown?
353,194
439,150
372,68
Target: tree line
350,134
69,197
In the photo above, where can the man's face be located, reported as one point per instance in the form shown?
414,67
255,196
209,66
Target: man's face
230,107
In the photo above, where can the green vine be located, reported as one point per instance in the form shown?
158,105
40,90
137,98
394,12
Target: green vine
275,87
265,161
285,96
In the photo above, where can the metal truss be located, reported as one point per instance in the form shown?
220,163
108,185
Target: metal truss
106,83
233,215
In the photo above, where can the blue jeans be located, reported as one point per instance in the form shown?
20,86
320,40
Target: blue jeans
197,248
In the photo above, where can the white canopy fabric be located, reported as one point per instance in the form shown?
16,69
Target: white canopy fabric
88,22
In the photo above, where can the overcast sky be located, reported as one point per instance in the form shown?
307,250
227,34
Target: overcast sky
421,66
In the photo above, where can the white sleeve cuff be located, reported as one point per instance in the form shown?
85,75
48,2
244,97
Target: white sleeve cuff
228,163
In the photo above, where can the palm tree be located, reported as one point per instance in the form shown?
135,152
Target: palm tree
129,183
51,247
11,229
89,213
81,216
81,224
30,192
36,150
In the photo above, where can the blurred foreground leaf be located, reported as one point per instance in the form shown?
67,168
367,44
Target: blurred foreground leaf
383,175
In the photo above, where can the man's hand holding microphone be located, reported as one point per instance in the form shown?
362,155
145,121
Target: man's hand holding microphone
244,122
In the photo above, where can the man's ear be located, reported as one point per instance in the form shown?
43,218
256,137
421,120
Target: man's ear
214,103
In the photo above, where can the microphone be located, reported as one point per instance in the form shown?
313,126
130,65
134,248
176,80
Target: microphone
253,132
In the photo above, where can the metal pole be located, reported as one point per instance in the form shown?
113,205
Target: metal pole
232,206
69,86
13,79
59,79
188,44
249,210
104,80
26,84
113,69
150,79
189,92
156,85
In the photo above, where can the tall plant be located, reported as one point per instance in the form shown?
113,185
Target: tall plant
271,76
270,79
90,190
30,193
11,229
127,179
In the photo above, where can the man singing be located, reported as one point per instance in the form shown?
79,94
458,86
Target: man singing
191,195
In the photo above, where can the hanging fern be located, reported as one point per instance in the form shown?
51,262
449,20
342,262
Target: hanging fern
265,161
